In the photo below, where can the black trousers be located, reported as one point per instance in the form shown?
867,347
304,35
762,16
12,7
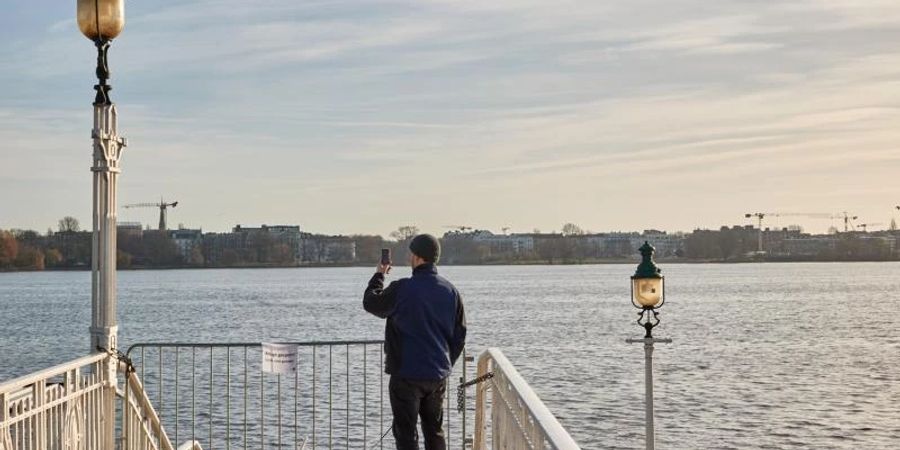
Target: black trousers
411,399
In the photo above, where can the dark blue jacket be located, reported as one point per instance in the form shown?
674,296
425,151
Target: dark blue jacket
426,324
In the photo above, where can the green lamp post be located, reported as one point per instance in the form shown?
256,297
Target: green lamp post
648,295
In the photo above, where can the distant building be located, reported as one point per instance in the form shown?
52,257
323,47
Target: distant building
315,248
521,243
775,241
273,229
582,246
615,245
283,236
499,244
808,246
496,243
185,241
267,244
667,245
134,229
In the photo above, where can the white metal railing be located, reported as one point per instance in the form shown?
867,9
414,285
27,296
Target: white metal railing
140,426
73,406
69,406
513,417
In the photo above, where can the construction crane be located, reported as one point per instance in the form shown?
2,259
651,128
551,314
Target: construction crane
865,226
162,205
848,220
760,216
461,228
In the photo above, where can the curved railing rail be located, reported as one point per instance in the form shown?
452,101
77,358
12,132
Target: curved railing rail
66,406
514,416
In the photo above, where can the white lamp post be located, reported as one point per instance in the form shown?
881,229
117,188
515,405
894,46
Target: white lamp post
101,21
648,294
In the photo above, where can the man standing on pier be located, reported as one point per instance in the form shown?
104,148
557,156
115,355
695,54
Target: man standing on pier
424,336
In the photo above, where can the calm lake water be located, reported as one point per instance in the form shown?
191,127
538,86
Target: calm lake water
764,355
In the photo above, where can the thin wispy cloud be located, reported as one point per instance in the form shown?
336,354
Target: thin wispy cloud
338,115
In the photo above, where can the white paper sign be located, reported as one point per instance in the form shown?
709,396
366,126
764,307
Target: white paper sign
279,358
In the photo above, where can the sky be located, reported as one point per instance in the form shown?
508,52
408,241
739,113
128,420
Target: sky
349,117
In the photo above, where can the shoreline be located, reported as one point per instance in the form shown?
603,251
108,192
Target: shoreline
503,263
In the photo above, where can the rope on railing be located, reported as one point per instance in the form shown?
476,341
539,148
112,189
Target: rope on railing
461,389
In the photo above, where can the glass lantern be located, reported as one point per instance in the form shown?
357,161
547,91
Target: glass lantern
647,284
101,20
647,292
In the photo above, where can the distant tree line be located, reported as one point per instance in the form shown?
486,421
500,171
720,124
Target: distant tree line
742,243
70,248
28,250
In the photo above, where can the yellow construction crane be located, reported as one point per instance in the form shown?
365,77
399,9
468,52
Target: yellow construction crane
162,205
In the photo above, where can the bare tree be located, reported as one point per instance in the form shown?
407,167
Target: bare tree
405,233
570,229
67,224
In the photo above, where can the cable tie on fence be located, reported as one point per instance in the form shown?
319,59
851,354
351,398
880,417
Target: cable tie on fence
461,389
129,364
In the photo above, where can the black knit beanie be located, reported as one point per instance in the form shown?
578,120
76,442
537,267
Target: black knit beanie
427,247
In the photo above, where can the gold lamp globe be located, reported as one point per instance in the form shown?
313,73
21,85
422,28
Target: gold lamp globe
647,284
647,291
101,20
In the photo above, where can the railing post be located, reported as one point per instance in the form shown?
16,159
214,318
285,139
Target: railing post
4,410
462,380
480,408
39,432
5,442
108,401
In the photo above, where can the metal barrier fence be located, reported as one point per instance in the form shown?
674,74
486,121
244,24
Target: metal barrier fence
218,395
513,416
63,407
